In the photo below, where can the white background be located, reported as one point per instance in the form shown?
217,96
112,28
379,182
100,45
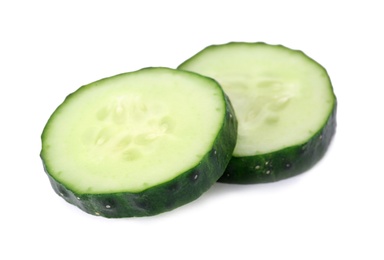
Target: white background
334,211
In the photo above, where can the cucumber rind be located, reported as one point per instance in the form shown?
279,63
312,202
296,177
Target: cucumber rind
282,164
166,196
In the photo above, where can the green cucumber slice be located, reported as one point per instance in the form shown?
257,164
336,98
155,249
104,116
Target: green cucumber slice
284,103
139,143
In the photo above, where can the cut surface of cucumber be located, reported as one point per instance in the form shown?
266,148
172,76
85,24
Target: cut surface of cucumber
139,143
283,100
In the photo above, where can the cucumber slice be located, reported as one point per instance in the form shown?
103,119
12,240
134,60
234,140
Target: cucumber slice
139,143
284,103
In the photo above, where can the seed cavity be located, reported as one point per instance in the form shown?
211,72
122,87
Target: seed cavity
100,141
279,103
103,136
103,113
269,84
272,119
132,154
120,114
124,142
167,124
127,127
144,139
253,112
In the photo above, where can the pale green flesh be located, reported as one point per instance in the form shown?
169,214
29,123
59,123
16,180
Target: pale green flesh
133,131
280,96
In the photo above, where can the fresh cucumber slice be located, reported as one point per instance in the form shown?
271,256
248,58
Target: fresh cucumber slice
139,143
284,103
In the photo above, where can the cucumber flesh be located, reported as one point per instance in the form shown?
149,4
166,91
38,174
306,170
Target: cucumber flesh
139,136
282,98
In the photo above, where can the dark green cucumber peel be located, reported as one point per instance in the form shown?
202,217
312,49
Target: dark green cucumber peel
166,196
284,163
